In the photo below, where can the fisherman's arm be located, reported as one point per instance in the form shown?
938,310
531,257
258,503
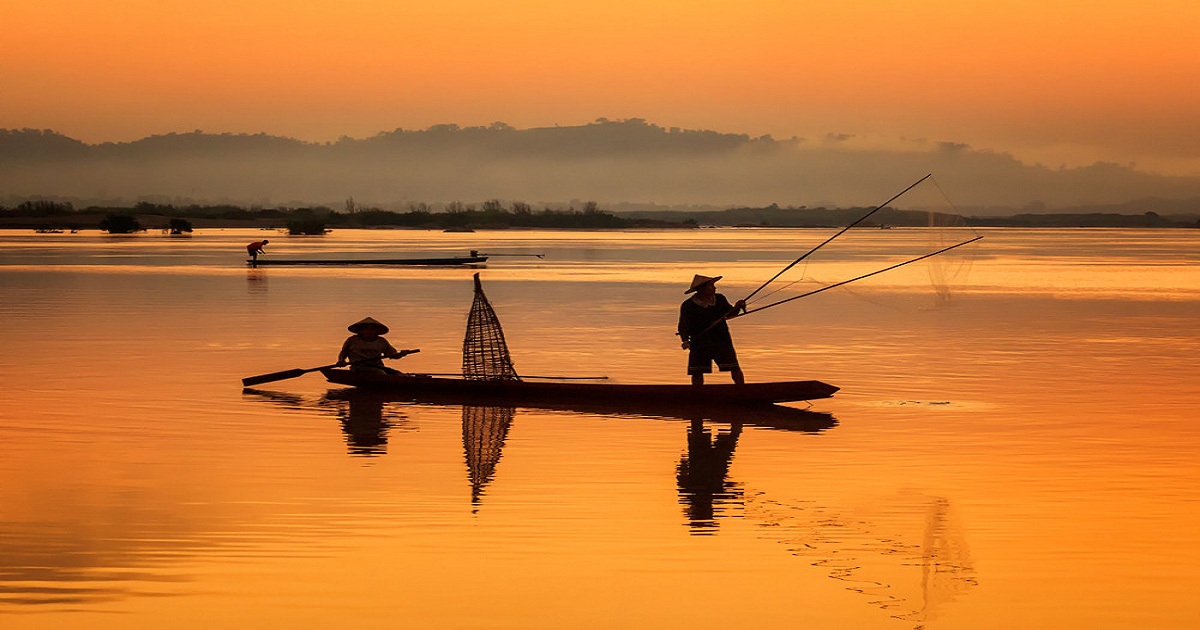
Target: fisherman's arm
344,354
685,337
731,310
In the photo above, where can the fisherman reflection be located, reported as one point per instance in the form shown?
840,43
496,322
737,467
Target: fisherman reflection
365,419
256,280
364,426
701,474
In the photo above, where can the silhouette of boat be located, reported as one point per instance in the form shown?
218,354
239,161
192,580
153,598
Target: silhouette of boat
452,260
761,415
511,391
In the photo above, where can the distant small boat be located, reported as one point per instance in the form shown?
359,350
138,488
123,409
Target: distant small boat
454,260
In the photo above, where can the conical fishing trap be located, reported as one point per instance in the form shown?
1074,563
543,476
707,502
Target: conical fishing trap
485,354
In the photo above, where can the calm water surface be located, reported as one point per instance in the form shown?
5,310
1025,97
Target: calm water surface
1014,444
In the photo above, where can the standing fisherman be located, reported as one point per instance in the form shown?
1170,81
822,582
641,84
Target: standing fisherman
704,333
256,248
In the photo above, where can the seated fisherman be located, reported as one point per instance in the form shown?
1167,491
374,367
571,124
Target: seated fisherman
366,348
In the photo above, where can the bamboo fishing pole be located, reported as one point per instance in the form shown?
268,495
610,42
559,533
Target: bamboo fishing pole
868,275
842,231
734,312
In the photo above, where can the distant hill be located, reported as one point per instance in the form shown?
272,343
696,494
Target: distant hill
623,165
1182,214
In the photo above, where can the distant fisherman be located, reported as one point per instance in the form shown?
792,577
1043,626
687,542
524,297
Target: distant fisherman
256,248
704,333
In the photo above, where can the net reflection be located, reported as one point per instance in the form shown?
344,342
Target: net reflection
367,417
908,555
484,429
947,571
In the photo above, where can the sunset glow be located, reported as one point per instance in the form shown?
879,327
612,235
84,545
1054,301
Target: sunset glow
1113,81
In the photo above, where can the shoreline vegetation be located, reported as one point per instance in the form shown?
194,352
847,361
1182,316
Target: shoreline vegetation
53,216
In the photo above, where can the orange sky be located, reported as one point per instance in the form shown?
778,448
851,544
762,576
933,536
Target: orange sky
1069,82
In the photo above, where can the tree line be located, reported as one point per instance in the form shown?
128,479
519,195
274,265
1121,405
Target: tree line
496,214
491,214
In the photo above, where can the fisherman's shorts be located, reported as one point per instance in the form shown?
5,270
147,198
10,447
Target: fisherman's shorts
702,356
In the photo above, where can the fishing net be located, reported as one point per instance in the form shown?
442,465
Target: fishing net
945,227
484,430
917,244
485,353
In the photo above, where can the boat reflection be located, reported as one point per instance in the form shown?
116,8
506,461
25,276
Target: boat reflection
702,473
764,416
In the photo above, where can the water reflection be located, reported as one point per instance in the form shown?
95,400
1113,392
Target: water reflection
280,398
702,472
364,420
60,565
256,280
871,551
364,427
484,430
947,570
702,475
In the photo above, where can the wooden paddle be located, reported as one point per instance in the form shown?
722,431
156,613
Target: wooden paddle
286,374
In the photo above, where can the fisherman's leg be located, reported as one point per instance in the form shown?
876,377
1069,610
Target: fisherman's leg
699,363
727,361
737,375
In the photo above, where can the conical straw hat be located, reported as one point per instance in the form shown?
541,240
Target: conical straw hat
367,321
700,281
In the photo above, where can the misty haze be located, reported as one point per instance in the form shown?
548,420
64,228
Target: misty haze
623,165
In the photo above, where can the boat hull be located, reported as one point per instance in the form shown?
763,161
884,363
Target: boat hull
778,417
455,260
429,388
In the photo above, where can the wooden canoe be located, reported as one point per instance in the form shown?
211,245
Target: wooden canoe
779,417
431,388
453,260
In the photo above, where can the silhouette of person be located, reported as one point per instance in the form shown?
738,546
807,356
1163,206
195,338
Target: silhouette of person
256,248
364,426
701,473
704,333
366,348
